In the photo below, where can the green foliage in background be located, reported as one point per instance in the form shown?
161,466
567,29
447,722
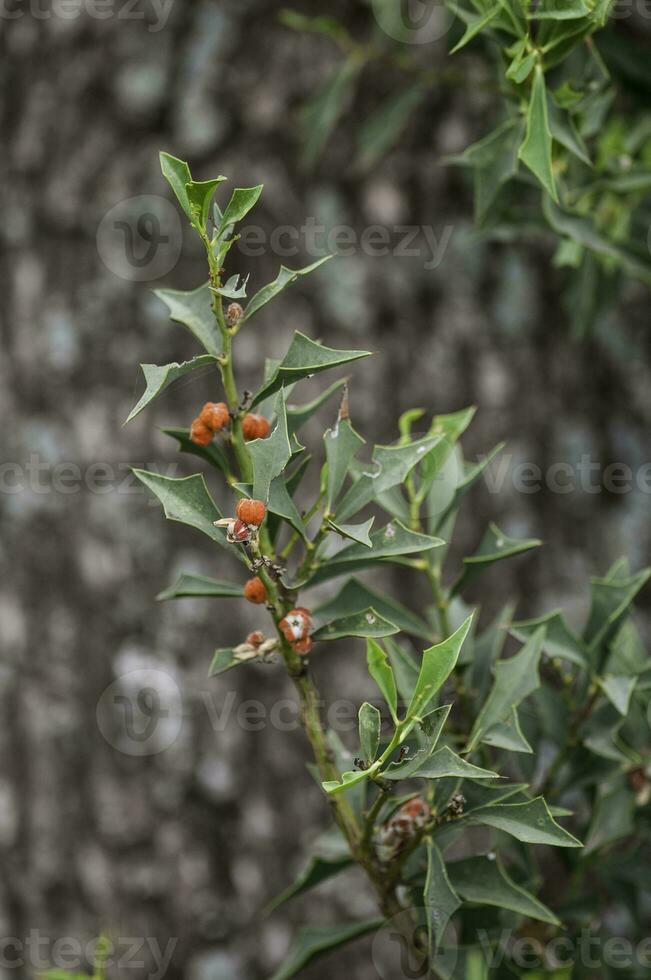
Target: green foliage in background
500,783
567,154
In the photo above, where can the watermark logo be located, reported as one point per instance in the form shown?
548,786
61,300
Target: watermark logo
140,238
141,712
413,21
400,949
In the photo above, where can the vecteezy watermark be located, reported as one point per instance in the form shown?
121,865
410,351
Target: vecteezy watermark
37,952
413,21
583,475
42,477
140,238
155,13
141,712
586,949
317,240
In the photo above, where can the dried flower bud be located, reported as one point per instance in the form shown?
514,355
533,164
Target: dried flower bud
297,625
237,532
200,434
234,313
402,827
257,637
255,591
303,647
255,427
215,415
252,512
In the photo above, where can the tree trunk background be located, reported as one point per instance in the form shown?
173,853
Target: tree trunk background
188,843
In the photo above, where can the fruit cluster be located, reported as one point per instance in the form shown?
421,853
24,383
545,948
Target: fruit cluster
215,416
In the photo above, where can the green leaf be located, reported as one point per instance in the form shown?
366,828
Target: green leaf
320,867
160,377
391,543
483,881
439,897
437,664
633,259
530,822
536,150
515,679
284,278
200,585
565,132
619,691
404,668
370,725
303,359
364,624
443,764
213,452
559,639
312,941
270,456
429,733
507,735
391,466
298,415
341,446
187,500
199,195
193,310
476,25
611,599
495,546
242,201
233,288
494,160
355,532
381,672
355,597
177,174
612,820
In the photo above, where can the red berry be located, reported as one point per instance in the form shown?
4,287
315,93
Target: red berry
255,591
215,415
251,512
255,427
200,433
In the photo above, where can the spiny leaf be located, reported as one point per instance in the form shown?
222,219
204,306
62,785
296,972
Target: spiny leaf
160,377
193,310
364,624
381,672
530,822
303,359
284,278
437,665
536,150
200,585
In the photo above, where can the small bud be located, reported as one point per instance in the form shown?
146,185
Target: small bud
255,591
236,531
252,512
234,314
296,628
200,434
257,637
215,415
255,427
